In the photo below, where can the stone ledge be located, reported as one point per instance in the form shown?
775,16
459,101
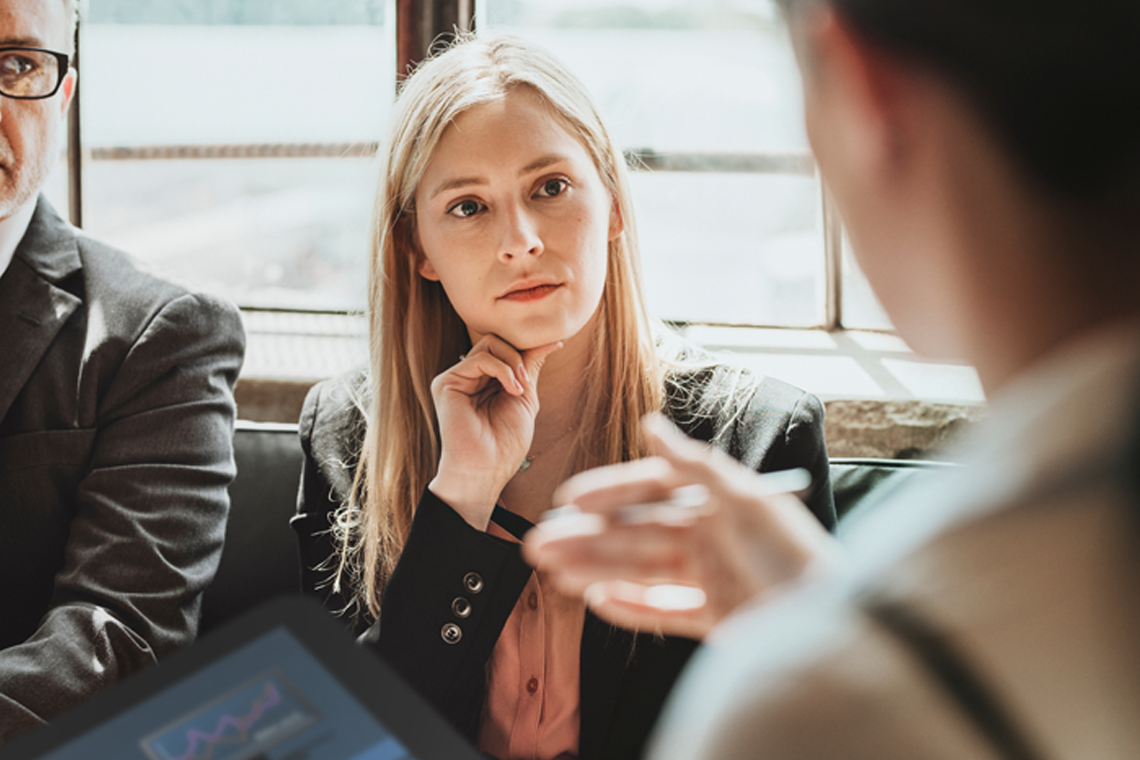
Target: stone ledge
908,429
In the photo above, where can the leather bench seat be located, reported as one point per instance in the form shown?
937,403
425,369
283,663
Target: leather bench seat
260,558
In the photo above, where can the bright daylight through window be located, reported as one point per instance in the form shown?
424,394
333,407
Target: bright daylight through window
228,142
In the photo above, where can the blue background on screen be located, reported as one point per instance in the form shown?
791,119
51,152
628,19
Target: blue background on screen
269,699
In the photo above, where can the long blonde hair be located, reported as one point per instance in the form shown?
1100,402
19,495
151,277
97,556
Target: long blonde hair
415,333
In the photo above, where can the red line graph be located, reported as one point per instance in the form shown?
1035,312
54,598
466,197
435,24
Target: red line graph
268,698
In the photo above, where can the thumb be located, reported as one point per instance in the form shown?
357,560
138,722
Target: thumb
534,358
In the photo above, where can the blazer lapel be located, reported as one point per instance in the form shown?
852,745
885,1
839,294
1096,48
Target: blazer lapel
33,307
604,655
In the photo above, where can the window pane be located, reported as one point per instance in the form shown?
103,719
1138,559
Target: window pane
731,248
714,76
279,233
287,232
861,308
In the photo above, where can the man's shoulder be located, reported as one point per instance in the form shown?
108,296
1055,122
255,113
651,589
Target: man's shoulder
133,302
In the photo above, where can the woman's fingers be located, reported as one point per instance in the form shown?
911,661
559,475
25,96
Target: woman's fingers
470,374
485,412
495,358
490,357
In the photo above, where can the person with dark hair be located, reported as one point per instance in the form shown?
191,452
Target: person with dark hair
985,156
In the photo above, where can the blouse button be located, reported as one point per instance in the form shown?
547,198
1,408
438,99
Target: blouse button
473,582
532,686
461,607
451,633
532,601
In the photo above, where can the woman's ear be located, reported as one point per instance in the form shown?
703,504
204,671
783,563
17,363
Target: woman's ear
617,224
412,237
424,267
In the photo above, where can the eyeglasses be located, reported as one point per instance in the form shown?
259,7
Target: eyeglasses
28,73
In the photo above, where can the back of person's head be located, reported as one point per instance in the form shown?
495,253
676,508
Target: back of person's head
1056,82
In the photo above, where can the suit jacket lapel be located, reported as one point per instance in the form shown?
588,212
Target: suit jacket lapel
604,655
33,307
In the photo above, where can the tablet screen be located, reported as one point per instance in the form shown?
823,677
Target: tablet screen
270,698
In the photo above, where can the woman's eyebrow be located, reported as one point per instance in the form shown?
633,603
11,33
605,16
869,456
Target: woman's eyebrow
458,182
541,163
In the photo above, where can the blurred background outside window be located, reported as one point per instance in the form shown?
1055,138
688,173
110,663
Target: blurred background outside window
183,100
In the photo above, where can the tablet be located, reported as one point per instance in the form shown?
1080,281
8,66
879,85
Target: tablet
283,682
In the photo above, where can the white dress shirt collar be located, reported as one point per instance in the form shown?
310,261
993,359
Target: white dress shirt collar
12,232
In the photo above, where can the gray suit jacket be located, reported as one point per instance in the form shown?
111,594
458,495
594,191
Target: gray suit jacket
116,422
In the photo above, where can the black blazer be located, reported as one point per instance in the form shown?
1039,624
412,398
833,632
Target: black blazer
624,678
116,423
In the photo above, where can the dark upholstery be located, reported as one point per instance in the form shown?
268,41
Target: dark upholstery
260,559
260,556
858,482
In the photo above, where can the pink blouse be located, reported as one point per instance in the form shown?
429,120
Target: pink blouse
531,706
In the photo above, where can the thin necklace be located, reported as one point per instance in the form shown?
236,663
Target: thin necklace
528,460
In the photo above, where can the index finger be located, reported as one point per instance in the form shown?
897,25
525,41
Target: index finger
607,488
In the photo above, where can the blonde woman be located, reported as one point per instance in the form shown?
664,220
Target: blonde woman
510,348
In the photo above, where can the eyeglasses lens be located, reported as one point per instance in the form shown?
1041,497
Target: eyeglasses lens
28,73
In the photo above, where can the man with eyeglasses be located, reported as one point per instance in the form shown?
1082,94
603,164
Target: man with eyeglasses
116,419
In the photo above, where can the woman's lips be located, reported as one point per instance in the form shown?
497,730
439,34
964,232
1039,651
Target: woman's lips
530,294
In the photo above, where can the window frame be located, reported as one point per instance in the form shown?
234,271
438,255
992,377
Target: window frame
420,24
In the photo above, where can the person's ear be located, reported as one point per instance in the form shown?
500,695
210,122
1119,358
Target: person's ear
68,87
410,233
617,224
424,267
861,89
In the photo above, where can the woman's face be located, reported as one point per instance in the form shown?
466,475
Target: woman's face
514,221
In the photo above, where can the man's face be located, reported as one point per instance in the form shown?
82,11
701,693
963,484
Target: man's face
30,130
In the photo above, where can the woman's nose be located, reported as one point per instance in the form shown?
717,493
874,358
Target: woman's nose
520,236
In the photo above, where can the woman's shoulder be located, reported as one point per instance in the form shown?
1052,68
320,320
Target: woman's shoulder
726,387
730,405
332,421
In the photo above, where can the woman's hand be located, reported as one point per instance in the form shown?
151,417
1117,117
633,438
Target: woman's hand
486,405
684,575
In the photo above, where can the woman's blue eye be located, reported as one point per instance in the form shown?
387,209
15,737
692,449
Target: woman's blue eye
552,187
466,208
